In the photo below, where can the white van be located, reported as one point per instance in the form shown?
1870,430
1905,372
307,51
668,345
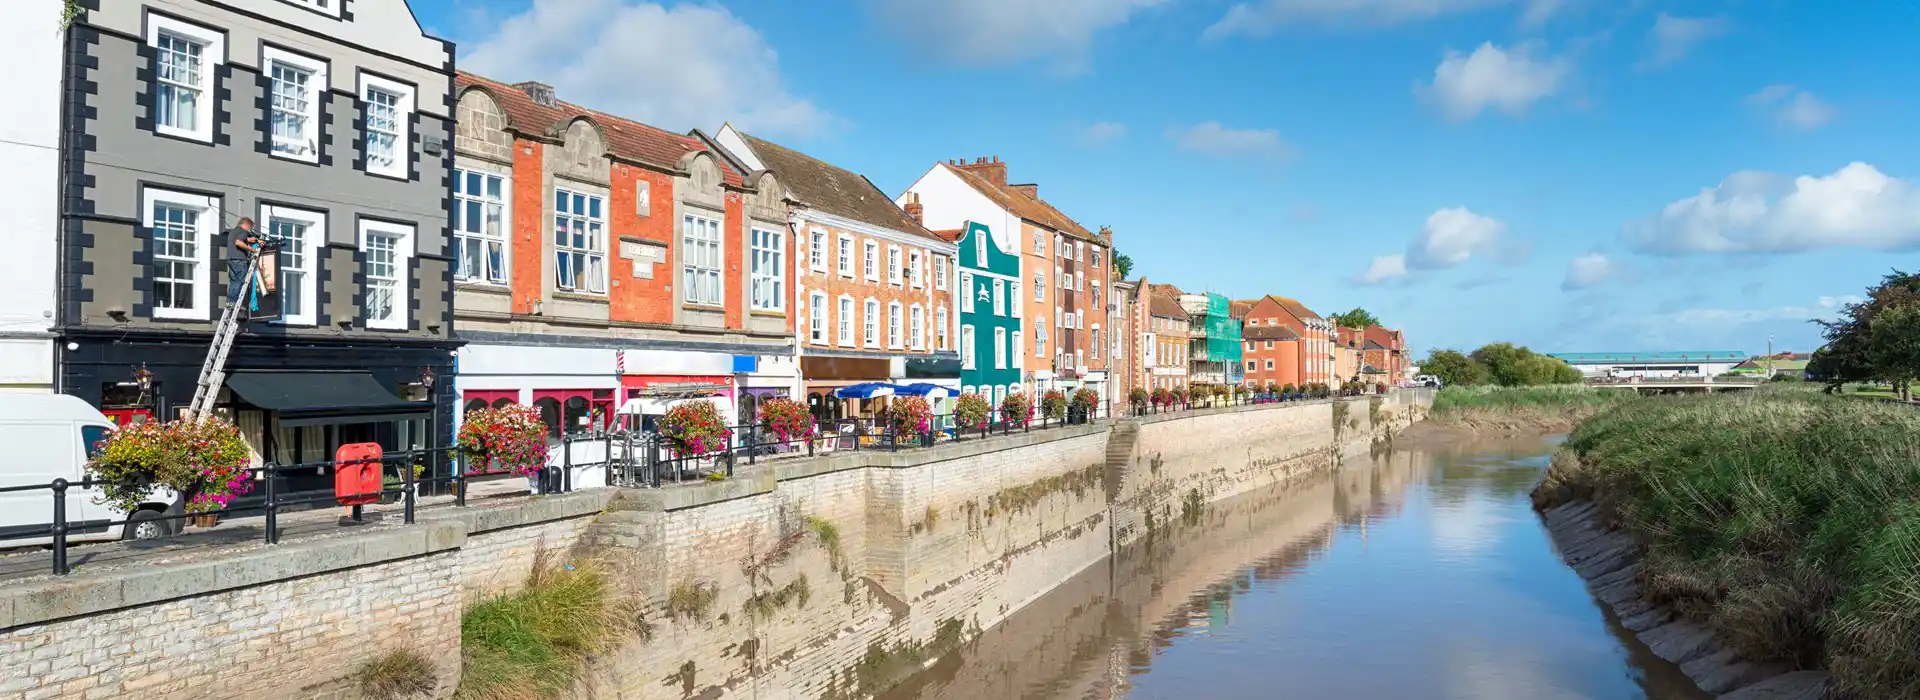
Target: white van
47,437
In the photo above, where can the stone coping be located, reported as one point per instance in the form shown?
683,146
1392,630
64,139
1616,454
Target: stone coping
481,517
45,600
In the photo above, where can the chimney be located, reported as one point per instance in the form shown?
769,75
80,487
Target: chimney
1031,191
913,208
993,170
541,93
1106,235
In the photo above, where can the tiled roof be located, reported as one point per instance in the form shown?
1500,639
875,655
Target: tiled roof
832,189
626,138
1239,309
1269,333
1347,336
1387,339
1029,208
1164,306
1371,345
1370,369
1294,307
952,235
1166,290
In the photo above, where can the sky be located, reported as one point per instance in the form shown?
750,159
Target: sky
1571,175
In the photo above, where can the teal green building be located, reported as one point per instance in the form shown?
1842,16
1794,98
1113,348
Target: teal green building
989,303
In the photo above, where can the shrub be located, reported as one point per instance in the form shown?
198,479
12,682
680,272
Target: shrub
534,643
972,411
694,428
911,416
1053,404
1016,409
1289,390
786,418
396,675
510,437
1137,397
1163,397
204,461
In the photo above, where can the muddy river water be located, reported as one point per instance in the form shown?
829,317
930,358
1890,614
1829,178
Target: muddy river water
1411,574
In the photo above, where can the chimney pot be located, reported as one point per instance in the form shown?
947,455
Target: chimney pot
541,93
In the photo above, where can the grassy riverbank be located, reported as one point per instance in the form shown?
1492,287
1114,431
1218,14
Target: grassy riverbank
1549,409
1785,519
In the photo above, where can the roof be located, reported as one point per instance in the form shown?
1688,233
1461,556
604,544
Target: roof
1164,306
1166,290
1777,363
1346,336
626,138
951,235
1294,307
1238,309
1631,358
829,188
1269,333
1371,345
1370,369
1032,209
1386,339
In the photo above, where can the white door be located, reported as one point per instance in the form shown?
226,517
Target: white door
41,452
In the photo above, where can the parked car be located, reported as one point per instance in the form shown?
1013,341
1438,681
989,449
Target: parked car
1427,380
48,437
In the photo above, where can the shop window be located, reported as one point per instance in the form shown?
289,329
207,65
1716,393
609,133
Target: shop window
549,408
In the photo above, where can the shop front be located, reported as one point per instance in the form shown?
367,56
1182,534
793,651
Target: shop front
824,375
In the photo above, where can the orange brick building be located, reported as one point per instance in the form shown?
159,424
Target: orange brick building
1313,357
603,263
1383,354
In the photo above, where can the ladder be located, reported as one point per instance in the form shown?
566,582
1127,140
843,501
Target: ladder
213,373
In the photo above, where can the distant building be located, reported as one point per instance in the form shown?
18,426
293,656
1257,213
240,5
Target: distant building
1346,354
1684,363
1792,364
1314,363
1384,351
1166,342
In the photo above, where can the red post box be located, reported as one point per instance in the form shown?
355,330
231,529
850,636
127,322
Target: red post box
356,474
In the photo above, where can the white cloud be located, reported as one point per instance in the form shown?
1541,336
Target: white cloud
1589,271
1263,17
1464,85
1792,106
1672,37
980,33
1839,301
1099,133
1213,139
1856,206
1451,237
677,68
1385,268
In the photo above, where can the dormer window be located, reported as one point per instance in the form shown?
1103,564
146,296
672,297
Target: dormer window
330,8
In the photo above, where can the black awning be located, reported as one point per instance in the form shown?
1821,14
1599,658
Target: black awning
314,398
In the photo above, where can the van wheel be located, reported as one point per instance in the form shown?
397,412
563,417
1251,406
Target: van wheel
144,525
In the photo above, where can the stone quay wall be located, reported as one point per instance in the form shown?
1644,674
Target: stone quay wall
818,578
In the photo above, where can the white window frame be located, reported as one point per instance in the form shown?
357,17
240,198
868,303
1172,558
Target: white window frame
485,273
966,292
1039,244
870,323
402,164
1040,286
213,53
895,326
940,272
1015,344
999,347
999,299
307,147
817,250
693,272
1013,298
206,221
1094,345
940,327
1060,276
817,317
403,256
845,256
870,259
766,276
968,353
309,251
1040,343
980,249
917,326
894,275
592,278
844,320
915,275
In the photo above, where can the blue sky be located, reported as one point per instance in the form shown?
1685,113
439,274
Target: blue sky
1568,174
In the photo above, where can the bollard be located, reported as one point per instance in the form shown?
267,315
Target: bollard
60,527
273,506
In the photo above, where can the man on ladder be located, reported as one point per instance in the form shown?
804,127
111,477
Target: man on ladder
246,240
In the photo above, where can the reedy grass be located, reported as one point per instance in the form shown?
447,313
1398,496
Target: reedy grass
1552,408
1786,519
534,643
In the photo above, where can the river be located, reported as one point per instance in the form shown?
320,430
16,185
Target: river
1410,574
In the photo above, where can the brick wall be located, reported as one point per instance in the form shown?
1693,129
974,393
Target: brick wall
648,297
529,218
833,284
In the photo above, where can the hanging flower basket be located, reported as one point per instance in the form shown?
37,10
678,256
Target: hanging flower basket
1082,404
1163,397
506,438
786,419
911,417
1053,404
694,428
205,462
972,411
1016,409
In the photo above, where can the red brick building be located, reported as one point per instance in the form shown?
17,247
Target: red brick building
1313,359
1383,351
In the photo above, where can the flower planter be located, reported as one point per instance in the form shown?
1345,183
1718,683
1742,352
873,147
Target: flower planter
203,520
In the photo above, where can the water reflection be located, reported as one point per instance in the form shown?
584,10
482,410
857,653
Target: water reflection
1410,574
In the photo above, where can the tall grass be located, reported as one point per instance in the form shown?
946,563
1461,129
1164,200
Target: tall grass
1788,520
1550,408
534,643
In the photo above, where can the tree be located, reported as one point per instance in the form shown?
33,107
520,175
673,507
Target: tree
1357,318
1893,346
1847,355
1512,365
1453,368
1122,264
